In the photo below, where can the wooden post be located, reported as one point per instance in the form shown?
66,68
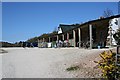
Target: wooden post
67,36
79,34
110,29
43,39
74,40
38,43
63,37
49,39
57,37
119,22
90,29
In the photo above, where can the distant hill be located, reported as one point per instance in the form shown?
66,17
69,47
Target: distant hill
45,35
6,44
32,40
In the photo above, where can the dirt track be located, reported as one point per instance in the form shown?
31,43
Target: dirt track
49,63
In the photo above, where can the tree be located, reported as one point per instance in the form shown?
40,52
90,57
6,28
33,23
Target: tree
107,13
34,39
55,29
117,37
45,35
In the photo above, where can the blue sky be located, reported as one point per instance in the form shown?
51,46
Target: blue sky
24,20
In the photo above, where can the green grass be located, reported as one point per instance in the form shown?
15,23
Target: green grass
72,68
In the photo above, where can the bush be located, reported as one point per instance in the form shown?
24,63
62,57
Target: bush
107,65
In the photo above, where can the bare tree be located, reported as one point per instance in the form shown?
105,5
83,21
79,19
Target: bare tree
55,30
107,13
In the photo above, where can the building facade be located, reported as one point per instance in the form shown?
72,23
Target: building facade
90,34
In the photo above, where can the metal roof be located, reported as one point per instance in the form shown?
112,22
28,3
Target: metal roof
92,22
67,27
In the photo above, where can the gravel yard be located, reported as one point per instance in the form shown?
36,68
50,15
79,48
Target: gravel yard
50,63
